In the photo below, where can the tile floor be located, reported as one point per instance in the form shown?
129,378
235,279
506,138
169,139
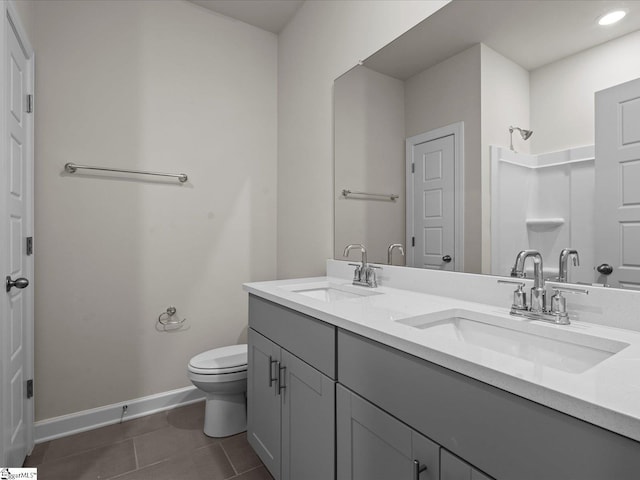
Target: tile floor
165,445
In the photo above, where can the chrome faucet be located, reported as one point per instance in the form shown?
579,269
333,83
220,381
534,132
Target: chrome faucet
537,308
390,251
563,264
364,274
538,293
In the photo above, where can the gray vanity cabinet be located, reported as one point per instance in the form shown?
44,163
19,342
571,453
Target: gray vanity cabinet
291,398
391,409
263,401
372,445
452,468
308,419
504,435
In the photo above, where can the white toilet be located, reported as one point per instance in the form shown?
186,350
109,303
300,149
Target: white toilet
222,374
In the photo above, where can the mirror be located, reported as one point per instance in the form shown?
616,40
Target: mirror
446,93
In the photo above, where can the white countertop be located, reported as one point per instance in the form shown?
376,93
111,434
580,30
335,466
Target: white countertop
607,394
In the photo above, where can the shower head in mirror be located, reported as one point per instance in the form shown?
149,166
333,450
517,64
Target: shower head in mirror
525,134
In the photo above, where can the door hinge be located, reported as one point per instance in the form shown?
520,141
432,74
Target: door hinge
413,241
29,103
29,388
413,168
29,245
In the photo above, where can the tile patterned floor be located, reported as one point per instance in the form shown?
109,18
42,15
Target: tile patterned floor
165,445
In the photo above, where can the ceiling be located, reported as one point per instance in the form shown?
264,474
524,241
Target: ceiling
270,15
531,33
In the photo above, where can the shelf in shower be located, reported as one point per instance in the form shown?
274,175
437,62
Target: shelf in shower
544,223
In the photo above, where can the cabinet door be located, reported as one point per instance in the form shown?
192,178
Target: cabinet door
263,401
453,468
308,421
373,445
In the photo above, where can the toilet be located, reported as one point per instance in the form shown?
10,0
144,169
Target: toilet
222,374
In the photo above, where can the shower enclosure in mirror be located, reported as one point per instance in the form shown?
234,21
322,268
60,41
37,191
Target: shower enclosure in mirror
482,119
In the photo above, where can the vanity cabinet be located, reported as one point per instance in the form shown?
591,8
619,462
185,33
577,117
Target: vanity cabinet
453,468
497,432
291,392
391,409
371,444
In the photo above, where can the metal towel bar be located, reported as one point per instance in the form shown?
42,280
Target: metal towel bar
390,196
72,167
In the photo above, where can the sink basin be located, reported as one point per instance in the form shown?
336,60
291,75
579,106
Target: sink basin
540,345
329,292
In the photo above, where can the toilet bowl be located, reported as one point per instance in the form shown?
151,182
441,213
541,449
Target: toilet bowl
222,374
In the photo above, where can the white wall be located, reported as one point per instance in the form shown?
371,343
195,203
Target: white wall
369,157
505,102
166,86
323,40
447,93
562,101
26,12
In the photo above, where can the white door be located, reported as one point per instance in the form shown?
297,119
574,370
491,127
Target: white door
16,344
433,204
617,209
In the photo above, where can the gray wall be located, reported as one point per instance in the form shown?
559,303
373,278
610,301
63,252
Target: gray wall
146,85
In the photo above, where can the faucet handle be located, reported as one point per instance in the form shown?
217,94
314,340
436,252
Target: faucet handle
559,303
519,296
578,291
357,273
370,274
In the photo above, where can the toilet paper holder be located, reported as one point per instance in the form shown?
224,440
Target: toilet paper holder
166,318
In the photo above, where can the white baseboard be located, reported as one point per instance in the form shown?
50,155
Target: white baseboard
64,425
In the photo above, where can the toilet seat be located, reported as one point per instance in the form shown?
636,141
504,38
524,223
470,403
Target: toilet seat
220,361
221,374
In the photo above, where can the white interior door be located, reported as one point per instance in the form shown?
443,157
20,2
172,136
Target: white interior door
16,344
434,204
618,184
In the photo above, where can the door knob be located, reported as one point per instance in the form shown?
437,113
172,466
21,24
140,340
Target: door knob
446,258
605,269
18,283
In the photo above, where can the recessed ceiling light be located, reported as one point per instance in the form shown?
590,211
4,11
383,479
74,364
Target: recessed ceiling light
612,17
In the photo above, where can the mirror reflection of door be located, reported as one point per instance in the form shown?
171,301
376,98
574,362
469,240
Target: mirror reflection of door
434,199
433,204
617,208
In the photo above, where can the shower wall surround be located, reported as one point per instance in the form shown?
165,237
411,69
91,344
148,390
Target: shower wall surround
543,202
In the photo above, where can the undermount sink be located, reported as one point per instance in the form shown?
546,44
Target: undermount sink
329,292
540,345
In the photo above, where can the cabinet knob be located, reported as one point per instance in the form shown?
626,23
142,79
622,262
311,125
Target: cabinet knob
418,469
446,258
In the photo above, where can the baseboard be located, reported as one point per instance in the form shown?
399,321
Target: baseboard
64,425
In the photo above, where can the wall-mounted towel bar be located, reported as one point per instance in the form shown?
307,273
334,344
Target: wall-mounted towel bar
72,167
389,196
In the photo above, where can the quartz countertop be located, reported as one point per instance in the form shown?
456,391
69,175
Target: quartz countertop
607,394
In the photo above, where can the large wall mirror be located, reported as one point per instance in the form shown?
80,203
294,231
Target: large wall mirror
473,137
